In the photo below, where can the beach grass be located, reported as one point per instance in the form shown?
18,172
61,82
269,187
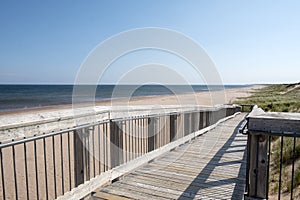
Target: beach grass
275,98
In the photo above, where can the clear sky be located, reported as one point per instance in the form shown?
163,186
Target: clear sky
249,41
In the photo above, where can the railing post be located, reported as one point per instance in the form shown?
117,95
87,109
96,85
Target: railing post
114,144
213,116
120,145
207,118
156,132
78,158
186,123
150,134
258,166
167,129
196,119
180,126
201,120
86,153
172,127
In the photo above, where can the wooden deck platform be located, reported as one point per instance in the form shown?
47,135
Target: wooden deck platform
212,166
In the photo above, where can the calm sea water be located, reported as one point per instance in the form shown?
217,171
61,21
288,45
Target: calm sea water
15,97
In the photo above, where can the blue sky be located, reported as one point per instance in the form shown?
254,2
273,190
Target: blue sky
249,41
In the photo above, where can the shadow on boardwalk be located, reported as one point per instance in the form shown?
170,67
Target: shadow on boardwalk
202,179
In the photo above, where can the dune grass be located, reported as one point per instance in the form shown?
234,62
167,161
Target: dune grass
275,98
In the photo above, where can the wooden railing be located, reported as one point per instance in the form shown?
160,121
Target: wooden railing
73,162
272,154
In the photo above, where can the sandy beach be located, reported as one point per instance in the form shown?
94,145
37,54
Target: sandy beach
200,98
21,123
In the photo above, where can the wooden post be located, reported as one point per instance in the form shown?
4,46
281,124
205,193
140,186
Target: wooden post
201,120
223,113
195,121
85,136
78,158
121,141
146,127
258,168
167,129
190,123
186,123
102,147
150,134
125,137
130,133
107,146
179,130
141,136
162,130
127,125
134,148
144,136
114,143
156,132
207,118
172,127
137,136
212,117
217,116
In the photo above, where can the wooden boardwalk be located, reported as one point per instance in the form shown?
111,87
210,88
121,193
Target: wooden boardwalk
212,166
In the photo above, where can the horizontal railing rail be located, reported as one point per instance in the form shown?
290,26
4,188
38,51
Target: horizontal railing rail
49,165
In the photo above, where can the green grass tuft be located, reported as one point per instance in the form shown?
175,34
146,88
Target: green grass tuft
275,98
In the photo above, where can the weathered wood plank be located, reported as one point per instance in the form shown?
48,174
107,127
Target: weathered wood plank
185,176
103,195
145,189
180,178
129,193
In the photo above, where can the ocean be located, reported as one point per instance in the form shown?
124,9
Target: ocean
20,97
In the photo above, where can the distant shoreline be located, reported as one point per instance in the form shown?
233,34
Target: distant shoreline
202,97
49,97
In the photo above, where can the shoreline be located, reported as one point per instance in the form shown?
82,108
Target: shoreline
201,98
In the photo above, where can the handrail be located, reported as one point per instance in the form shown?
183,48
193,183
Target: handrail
92,149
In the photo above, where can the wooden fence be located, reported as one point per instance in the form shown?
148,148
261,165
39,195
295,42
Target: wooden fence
273,155
50,165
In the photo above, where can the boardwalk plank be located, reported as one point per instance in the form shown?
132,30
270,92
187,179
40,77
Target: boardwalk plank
129,193
138,187
187,180
103,195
